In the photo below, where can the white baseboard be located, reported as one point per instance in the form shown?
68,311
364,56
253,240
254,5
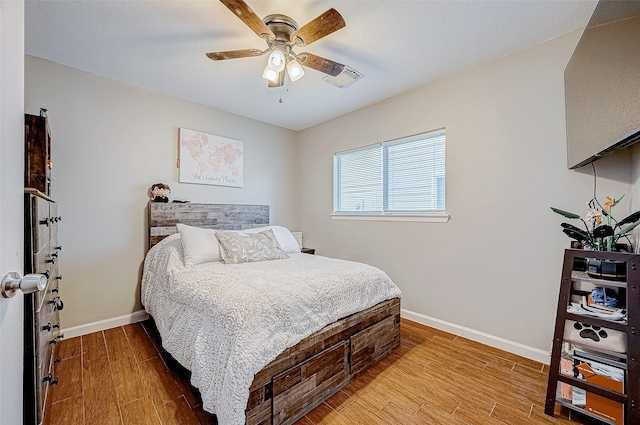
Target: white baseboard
491,340
472,334
136,316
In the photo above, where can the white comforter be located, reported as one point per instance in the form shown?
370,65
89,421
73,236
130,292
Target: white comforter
225,322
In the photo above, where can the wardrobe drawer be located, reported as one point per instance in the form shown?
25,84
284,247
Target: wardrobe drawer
44,321
54,243
44,264
41,230
54,219
44,355
45,375
53,284
308,382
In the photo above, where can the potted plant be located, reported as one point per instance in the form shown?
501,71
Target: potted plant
601,233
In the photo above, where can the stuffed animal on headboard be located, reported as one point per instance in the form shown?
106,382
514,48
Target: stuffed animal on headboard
160,192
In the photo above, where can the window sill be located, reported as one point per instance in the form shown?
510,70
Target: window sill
430,217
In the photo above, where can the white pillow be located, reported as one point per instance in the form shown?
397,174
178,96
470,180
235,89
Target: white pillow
199,245
285,239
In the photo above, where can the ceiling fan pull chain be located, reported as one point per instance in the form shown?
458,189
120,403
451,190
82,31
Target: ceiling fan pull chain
286,87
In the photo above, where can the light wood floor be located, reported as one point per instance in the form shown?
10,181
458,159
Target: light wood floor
119,376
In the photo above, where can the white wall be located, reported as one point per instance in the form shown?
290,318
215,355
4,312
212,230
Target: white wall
110,143
495,266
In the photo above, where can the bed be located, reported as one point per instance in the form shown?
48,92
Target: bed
265,341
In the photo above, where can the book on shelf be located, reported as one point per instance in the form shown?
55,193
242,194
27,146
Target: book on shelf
597,404
609,358
594,367
567,391
604,375
591,367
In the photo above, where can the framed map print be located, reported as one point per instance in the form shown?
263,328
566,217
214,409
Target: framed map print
208,159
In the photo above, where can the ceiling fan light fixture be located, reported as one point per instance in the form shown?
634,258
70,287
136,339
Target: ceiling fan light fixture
270,74
277,60
294,70
282,34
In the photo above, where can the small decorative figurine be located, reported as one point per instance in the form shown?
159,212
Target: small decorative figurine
160,192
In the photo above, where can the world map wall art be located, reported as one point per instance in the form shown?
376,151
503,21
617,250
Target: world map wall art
208,159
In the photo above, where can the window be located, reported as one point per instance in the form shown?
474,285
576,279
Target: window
403,177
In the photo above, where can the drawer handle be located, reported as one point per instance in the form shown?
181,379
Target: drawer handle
287,377
57,303
45,221
47,274
59,248
50,260
50,380
55,254
54,341
47,327
58,360
57,326
56,290
59,277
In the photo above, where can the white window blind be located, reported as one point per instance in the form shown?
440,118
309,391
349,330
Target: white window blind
404,176
359,174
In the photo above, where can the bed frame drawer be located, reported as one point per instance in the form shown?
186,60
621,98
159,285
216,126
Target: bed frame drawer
271,390
308,383
372,344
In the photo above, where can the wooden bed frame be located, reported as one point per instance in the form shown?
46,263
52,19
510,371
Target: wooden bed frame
305,375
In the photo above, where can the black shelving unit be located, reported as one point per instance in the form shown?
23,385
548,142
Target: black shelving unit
573,277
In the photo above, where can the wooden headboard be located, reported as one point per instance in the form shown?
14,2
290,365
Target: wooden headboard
164,216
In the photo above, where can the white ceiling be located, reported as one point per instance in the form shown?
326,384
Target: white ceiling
397,45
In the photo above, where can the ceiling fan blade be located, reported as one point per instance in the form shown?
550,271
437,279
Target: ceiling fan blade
321,64
330,21
280,81
233,54
248,16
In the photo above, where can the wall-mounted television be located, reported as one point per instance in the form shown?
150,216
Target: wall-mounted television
602,84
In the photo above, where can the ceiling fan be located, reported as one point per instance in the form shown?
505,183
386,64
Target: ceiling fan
282,35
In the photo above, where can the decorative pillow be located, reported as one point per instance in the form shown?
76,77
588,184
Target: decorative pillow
241,247
285,238
199,245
